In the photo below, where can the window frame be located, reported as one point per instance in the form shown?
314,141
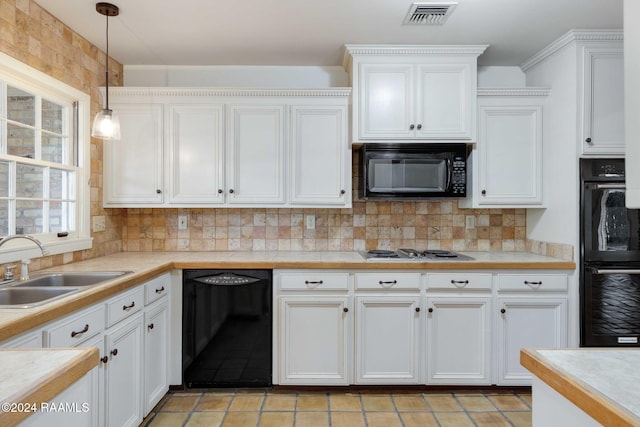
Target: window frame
22,76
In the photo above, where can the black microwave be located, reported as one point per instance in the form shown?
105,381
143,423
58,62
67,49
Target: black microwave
413,171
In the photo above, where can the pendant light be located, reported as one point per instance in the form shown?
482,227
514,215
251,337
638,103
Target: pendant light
106,125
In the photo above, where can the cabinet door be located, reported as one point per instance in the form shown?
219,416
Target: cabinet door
319,155
386,101
459,340
123,373
256,155
603,121
387,337
510,155
196,154
314,332
133,165
156,349
445,101
527,323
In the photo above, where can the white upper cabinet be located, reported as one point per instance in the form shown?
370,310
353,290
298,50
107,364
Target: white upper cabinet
603,100
196,139
507,160
193,147
133,165
256,155
413,92
320,155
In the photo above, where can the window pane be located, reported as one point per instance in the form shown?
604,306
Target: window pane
52,116
52,148
29,181
29,216
21,141
4,179
57,184
21,106
58,216
4,217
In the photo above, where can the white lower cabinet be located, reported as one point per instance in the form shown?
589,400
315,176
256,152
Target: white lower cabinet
458,340
533,322
123,374
156,344
387,339
314,334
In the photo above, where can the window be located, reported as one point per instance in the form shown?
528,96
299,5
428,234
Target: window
42,162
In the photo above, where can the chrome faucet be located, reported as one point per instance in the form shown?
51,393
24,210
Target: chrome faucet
24,271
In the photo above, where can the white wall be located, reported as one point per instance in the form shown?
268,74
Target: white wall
632,100
558,223
501,77
234,76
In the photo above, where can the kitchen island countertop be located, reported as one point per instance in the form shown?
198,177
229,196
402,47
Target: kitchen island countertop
603,382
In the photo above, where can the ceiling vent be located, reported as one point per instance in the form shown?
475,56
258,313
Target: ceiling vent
428,13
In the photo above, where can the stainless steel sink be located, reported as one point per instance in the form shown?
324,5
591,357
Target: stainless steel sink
75,279
15,297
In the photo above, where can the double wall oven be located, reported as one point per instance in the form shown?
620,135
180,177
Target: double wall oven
610,257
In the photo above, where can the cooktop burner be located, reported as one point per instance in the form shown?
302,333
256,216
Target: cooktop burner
414,255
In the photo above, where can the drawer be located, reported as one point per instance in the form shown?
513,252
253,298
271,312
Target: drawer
157,288
314,281
384,281
123,306
533,282
449,281
77,328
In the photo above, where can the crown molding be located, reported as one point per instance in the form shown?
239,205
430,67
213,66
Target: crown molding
513,91
569,37
123,91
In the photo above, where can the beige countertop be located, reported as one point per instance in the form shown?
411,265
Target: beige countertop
603,382
29,377
146,265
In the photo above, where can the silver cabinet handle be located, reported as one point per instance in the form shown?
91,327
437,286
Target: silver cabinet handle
610,186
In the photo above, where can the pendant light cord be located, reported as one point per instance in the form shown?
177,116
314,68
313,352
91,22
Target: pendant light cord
107,62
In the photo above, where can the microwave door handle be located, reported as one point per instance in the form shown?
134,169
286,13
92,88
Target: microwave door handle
449,174
610,186
612,271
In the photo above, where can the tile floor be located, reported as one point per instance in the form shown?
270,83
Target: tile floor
277,408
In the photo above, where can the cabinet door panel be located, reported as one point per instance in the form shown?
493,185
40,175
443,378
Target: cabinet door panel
133,165
386,101
387,336
603,101
156,329
196,150
255,161
459,340
313,340
124,374
532,323
319,145
444,109
510,148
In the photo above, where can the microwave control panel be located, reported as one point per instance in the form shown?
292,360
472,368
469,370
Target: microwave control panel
459,177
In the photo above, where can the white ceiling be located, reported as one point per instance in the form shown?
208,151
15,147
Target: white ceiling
306,32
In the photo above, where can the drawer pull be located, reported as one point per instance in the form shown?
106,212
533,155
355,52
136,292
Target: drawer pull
313,283
129,307
430,310
76,333
150,327
346,310
503,311
536,284
389,282
114,352
459,283
417,309
159,291
104,359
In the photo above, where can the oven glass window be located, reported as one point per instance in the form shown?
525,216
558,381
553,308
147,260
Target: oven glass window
613,227
407,175
615,302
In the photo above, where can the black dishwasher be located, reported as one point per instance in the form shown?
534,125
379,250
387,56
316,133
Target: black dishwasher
226,328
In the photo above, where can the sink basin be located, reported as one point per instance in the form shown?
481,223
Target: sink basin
75,279
30,297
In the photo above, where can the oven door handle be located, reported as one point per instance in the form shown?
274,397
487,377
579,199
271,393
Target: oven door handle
612,271
610,186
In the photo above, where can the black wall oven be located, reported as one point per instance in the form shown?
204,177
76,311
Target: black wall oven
610,257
